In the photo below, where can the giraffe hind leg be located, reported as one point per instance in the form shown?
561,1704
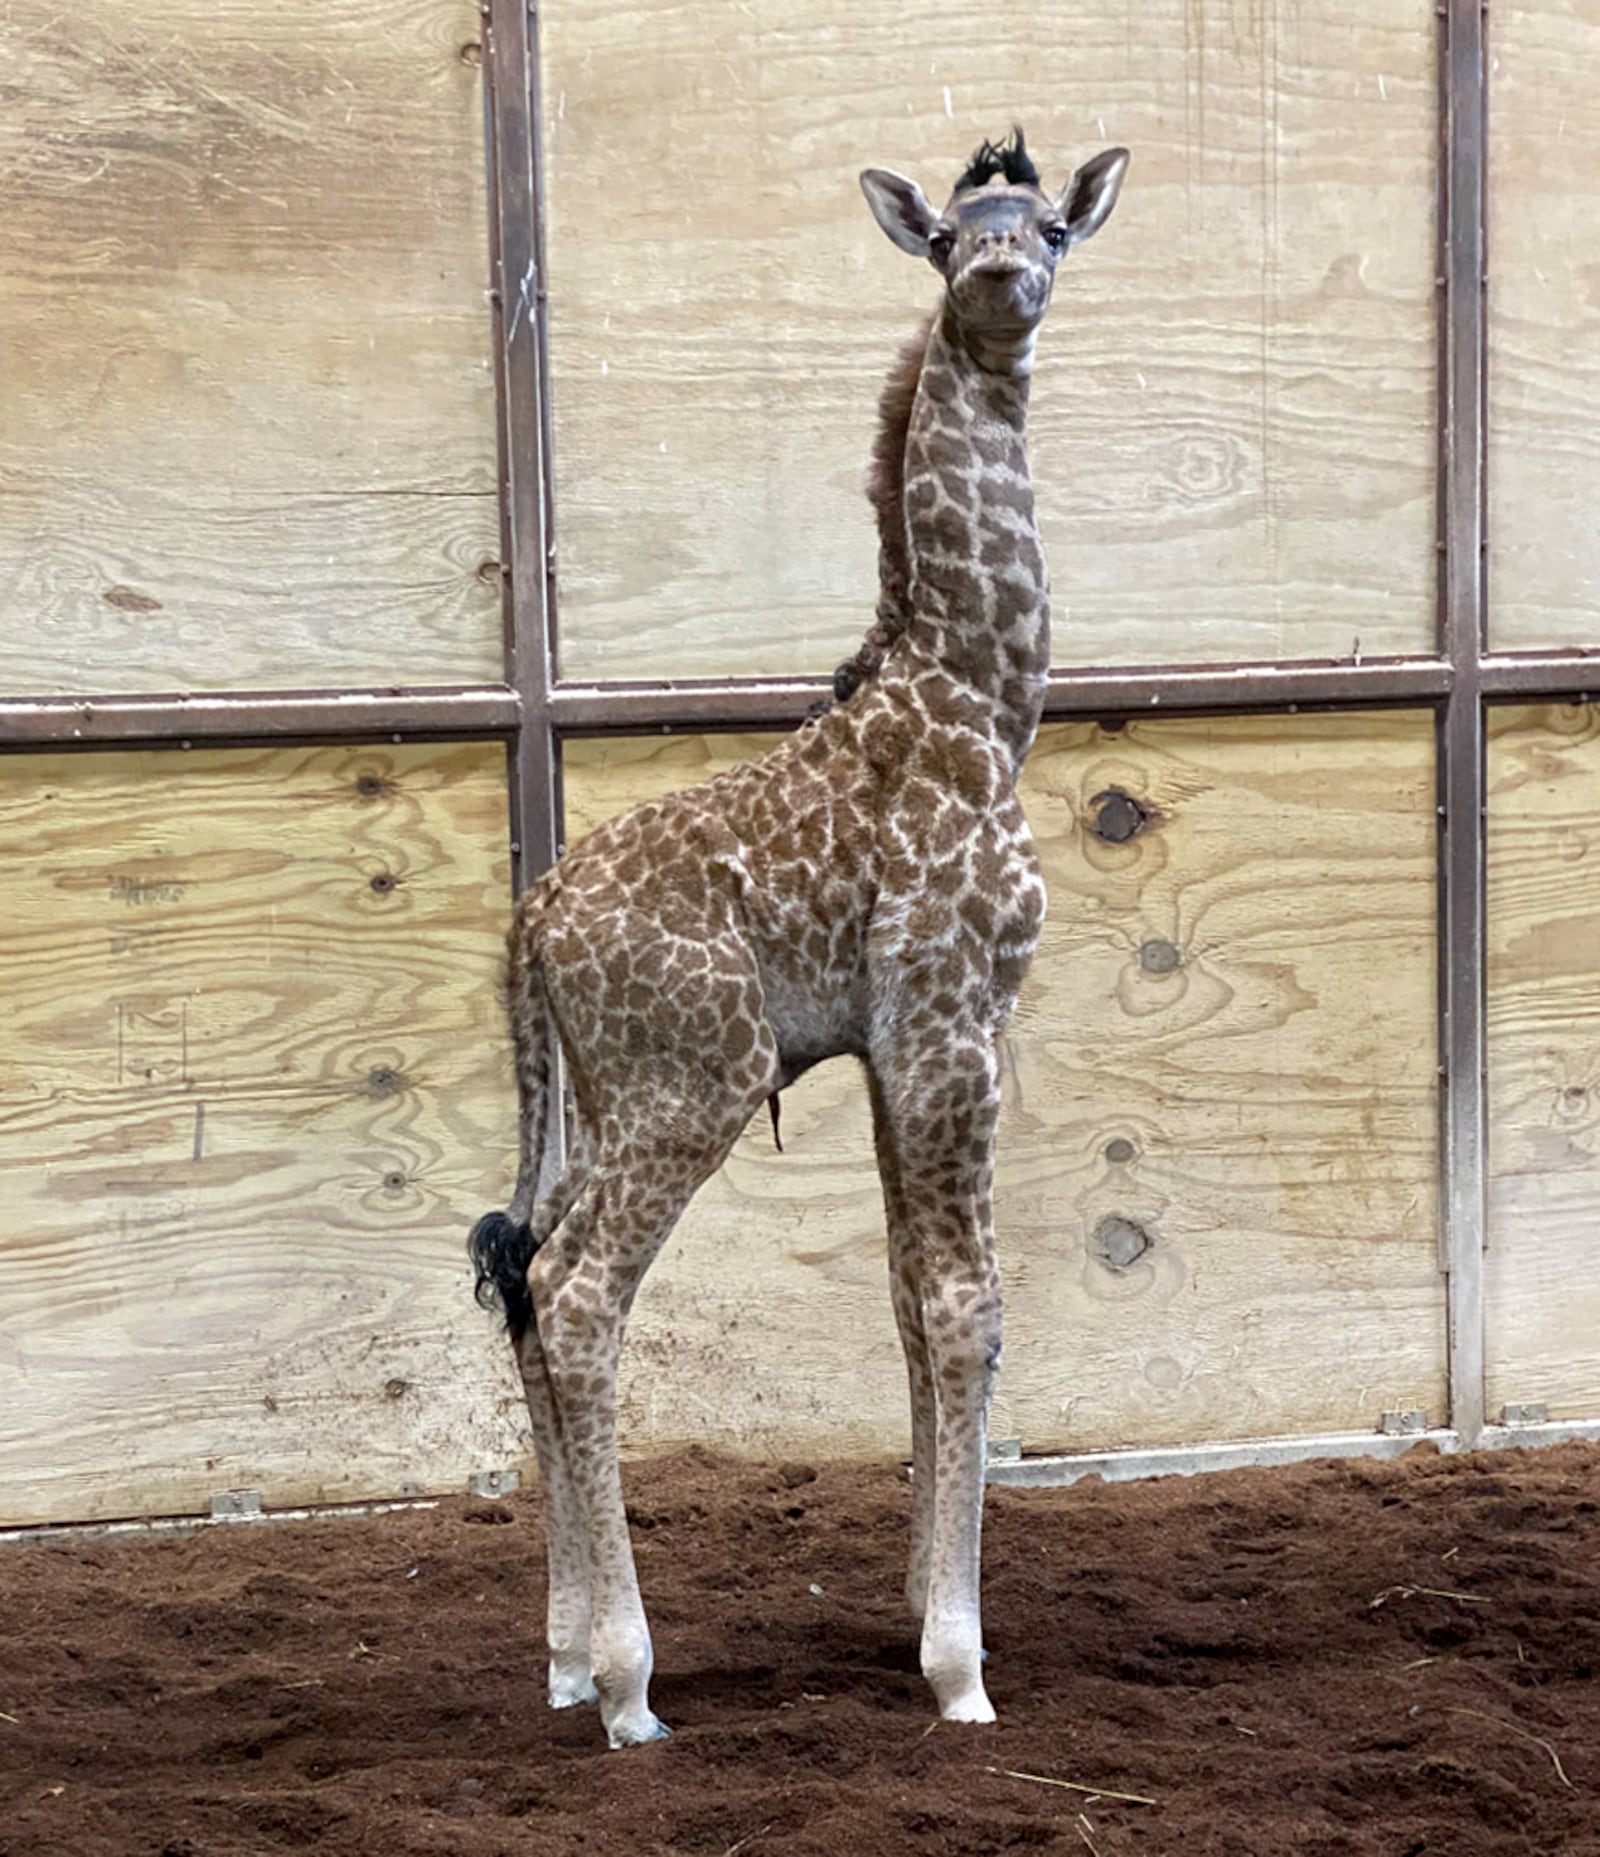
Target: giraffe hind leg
503,1249
583,1285
570,1676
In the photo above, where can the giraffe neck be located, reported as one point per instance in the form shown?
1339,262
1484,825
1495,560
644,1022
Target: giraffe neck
980,601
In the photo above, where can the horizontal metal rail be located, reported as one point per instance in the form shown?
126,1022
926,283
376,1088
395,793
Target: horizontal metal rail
750,703
683,706
1187,1460
228,718
174,720
1549,676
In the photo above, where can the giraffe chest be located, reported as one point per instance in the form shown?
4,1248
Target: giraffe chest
959,918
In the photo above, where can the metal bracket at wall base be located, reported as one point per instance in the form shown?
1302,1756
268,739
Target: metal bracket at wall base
1403,1424
493,1483
1536,1413
236,1502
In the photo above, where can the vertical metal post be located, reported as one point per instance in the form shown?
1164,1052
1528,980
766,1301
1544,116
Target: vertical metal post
1461,747
519,316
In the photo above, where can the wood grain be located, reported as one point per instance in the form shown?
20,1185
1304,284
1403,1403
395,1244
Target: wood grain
1543,1263
1544,325
1232,426
252,1095
248,428
1226,1048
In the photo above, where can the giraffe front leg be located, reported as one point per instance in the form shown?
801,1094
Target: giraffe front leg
941,1104
907,1296
963,1318
905,1293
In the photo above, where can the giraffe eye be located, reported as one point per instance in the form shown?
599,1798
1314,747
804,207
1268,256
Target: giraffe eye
940,245
1055,237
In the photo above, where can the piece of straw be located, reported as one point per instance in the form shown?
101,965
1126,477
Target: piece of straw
1072,1786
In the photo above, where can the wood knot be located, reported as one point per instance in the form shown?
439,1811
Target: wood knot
383,883
1119,1150
1119,1242
1119,817
382,1082
1159,957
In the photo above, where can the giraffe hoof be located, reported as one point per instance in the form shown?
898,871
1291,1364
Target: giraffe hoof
635,1731
571,1689
973,1706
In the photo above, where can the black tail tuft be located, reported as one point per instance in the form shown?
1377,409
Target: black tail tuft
501,1252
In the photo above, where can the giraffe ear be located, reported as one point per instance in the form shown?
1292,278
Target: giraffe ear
901,208
1087,199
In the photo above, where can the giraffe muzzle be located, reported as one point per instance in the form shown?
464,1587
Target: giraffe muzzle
1002,288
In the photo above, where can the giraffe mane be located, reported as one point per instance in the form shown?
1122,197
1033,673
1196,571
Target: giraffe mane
886,491
1010,158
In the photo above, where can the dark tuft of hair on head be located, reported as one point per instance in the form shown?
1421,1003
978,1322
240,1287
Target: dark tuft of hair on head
1010,158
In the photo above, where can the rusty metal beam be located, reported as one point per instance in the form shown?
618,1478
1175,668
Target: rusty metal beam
1218,689
233,718
1542,677
518,300
169,719
753,703
1463,1150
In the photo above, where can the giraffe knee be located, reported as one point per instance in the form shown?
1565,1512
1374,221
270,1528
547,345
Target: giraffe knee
963,1326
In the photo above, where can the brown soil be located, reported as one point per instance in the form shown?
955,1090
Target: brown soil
1392,1659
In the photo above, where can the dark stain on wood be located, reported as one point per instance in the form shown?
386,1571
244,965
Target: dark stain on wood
131,600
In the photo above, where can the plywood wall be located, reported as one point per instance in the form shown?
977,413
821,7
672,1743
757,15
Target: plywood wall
1544,324
1232,427
1543,1265
1226,1052
253,1090
247,428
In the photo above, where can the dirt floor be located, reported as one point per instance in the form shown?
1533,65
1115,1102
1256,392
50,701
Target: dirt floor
1338,1657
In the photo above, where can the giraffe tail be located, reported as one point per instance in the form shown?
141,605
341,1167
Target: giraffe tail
502,1244
502,1248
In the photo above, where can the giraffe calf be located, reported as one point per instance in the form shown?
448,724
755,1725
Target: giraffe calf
869,889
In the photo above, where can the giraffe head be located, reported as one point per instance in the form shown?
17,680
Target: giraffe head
1000,238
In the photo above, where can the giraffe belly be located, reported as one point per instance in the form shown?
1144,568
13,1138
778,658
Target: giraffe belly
812,1022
